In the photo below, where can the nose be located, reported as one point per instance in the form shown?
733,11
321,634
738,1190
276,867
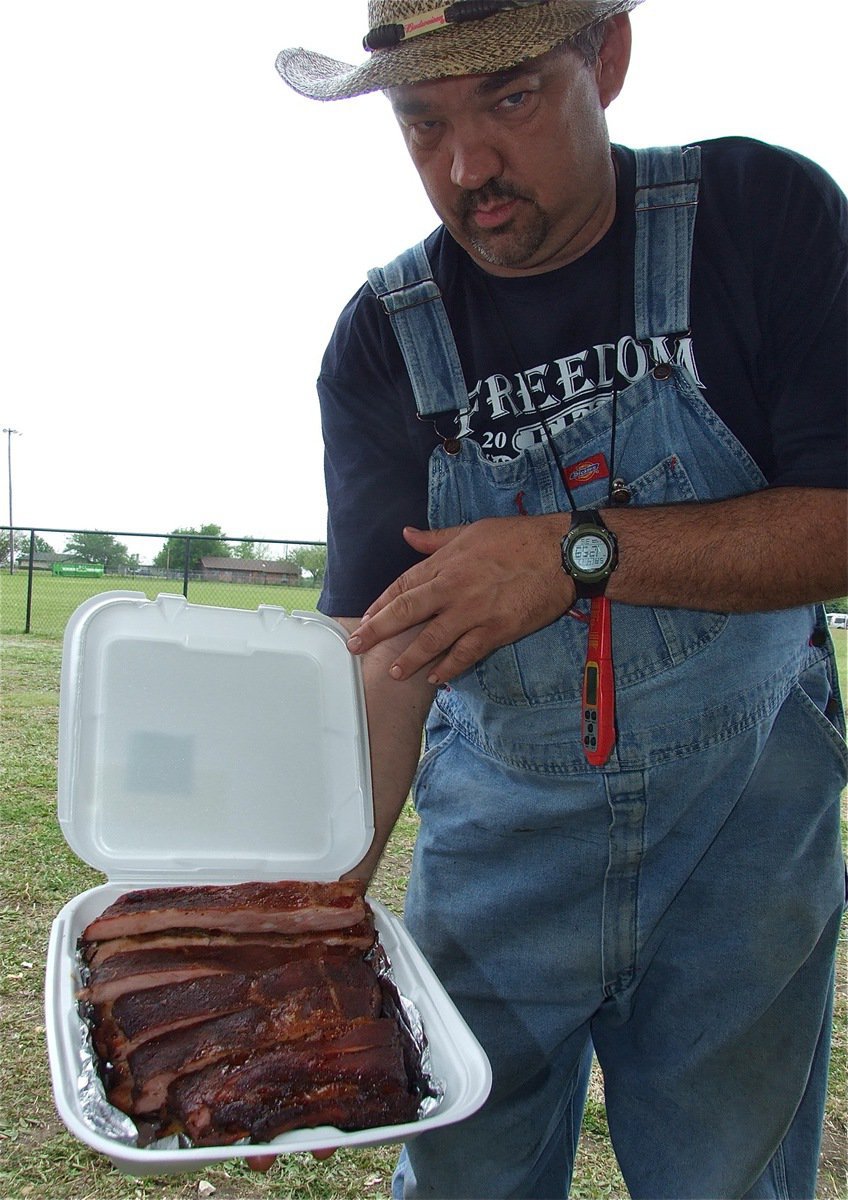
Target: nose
474,162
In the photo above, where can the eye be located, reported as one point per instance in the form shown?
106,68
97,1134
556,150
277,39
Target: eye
423,133
512,101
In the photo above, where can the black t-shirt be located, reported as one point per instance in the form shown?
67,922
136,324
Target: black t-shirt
768,346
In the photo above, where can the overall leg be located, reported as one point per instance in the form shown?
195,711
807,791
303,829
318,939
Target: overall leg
505,901
793,1167
715,1055
502,1151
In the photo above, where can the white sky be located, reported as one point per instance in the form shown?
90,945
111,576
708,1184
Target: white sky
180,231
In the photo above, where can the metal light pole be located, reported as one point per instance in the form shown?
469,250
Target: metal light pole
9,433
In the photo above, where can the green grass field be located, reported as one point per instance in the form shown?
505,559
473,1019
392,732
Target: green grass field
54,598
40,1159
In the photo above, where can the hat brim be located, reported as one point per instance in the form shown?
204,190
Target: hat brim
473,48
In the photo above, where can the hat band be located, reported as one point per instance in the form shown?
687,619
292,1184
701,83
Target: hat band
383,37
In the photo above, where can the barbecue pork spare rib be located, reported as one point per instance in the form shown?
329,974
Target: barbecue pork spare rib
238,1012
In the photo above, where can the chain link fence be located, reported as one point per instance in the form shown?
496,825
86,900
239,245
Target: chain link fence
40,585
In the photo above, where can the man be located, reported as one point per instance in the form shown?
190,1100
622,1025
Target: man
614,386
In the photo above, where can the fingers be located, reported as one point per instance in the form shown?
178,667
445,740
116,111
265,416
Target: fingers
402,586
444,657
264,1162
428,541
443,647
401,607
425,541
261,1162
424,607
464,653
482,585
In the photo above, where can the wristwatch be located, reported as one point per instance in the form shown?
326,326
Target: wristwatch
589,553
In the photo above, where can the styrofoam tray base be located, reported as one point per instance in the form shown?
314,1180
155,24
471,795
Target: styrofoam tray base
458,1061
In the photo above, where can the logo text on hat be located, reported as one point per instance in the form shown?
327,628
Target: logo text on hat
430,20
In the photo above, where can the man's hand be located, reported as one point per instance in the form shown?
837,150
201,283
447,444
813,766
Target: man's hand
482,586
500,579
264,1162
261,1162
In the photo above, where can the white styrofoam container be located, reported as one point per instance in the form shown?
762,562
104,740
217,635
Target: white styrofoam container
209,745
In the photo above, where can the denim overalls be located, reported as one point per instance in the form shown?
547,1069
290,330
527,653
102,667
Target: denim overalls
677,909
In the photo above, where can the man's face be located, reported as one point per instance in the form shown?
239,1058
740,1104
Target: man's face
516,164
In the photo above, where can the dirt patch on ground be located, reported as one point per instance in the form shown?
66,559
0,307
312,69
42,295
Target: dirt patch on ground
35,1135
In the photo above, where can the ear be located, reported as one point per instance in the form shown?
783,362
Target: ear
614,58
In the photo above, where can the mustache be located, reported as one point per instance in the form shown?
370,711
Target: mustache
495,189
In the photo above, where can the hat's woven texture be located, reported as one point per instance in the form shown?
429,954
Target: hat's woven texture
472,48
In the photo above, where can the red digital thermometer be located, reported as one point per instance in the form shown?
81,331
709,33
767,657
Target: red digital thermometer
598,726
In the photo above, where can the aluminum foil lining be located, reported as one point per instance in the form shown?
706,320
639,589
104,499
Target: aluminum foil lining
111,1123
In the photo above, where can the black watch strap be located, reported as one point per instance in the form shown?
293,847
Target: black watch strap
587,516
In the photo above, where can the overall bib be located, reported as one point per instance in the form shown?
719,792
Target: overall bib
676,910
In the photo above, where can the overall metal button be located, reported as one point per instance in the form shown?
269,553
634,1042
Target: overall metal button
662,371
620,493
452,445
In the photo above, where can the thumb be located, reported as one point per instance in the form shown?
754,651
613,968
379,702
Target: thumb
428,541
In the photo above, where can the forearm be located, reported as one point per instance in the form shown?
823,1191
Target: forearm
496,580
396,713
773,549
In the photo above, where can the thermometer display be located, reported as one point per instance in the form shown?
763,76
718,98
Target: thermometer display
598,723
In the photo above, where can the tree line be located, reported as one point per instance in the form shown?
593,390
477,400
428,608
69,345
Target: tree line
209,541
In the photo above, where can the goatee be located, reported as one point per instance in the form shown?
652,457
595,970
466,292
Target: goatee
514,242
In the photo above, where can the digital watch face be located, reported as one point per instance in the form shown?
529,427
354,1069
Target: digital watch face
590,553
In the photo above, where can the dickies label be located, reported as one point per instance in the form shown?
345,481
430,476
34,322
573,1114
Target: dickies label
586,471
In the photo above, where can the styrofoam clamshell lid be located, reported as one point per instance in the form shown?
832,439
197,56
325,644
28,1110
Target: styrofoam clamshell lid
211,744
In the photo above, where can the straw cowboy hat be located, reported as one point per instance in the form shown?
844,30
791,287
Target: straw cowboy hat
411,40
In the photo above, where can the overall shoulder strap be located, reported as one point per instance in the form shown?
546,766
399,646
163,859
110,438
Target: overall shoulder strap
412,299
667,187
